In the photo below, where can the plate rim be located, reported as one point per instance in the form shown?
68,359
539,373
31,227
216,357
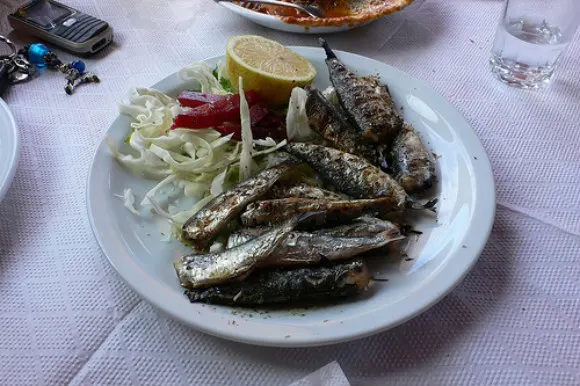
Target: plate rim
440,286
271,21
15,154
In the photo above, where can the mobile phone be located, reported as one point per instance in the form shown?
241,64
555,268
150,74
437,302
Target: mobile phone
63,26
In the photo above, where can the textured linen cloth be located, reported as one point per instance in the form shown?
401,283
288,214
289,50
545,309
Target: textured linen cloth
67,318
329,375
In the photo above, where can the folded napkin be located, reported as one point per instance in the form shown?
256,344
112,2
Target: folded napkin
329,375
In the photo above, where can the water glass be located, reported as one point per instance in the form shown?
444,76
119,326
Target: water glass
531,38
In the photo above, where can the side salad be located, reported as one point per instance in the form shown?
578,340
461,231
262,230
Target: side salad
201,143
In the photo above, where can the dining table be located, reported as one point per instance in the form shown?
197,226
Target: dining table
66,317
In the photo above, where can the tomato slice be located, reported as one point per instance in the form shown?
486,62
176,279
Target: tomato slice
215,113
195,99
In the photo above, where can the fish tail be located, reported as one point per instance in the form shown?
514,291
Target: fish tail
329,53
193,295
429,205
408,230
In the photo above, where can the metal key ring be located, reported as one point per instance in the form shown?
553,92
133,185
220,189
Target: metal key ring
22,64
12,47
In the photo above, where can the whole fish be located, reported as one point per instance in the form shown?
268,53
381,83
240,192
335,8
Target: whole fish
367,106
322,212
303,248
325,119
205,225
363,226
296,285
302,191
412,164
368,226
359,227
202,270
354,176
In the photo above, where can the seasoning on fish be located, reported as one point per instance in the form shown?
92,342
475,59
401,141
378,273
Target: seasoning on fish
411,162
303,248
323,212
361,227
203,226
364,104
368,226
296,285
202,270
354,176
325,119
302,191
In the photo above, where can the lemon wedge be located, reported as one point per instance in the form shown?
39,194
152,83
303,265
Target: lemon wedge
267,67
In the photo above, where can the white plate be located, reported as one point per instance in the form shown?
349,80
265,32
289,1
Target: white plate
442,255
9,148
274,22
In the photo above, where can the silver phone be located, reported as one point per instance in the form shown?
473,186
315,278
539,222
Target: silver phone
63,26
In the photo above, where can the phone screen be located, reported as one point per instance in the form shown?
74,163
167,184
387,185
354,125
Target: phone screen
44,13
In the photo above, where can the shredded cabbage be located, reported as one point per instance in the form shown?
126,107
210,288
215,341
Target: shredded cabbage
200,76
297,127
189,167
129,201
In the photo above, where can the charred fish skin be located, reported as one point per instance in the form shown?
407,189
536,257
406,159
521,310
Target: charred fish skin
362,227
297,285
325,119
356,177
348,173
413,165
323,213
303,248
377,120
302,191
202,270
205,225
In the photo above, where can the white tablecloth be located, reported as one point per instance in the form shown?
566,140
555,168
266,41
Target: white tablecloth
66,317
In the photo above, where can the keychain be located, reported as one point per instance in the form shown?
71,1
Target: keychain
14,67
21,65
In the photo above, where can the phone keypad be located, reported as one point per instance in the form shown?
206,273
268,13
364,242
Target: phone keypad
81,29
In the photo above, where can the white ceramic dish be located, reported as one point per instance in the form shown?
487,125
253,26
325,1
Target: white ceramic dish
274,22
9,148
442,256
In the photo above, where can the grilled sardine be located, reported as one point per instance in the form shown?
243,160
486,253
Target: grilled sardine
323,212
354,176
202,270
328,122
366,105
304,248
205,225
412,164
275,286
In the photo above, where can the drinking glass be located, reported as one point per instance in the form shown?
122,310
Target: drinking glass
531,38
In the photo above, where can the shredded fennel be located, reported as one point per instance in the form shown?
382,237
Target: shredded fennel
246,156
297,127
189,167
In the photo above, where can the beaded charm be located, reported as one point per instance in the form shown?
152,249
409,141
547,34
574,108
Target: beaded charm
42,57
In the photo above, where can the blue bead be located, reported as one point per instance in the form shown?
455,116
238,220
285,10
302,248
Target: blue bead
36,53
79,65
